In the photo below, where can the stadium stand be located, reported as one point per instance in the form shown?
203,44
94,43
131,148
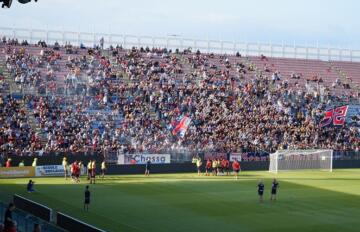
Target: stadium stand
77,99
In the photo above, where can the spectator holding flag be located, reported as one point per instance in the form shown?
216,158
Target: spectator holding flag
182,127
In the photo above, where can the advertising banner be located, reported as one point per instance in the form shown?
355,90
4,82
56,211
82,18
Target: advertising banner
235,156
49,170
215,155
17,172
143,158
52,170
249,157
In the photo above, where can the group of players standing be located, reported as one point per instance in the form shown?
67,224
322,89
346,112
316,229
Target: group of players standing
218,166
77,168
212,167
274,188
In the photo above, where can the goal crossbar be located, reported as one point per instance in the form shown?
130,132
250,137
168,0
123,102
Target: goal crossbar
289,160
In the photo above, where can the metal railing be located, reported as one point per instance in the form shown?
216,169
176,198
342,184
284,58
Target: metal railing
172,42
25,222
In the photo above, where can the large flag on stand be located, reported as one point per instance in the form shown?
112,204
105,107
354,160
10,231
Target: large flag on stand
327,119
338,116
182,127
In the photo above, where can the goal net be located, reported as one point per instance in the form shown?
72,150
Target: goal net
288,160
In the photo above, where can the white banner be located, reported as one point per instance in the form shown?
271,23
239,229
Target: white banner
235,156
143,158
53,170
49,170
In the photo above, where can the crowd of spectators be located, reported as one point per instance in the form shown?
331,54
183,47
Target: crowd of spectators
3,84
15,132
131,100
37,70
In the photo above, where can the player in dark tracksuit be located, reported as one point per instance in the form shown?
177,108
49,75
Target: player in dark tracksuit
147,168
274,187
87,198
261,188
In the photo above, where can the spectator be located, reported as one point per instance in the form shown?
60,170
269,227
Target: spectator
8,219
56,46
132,100
102,42
37,228
263,58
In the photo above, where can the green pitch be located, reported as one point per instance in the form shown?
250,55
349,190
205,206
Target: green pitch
307,201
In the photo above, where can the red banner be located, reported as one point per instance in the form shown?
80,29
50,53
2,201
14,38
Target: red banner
337,116
328,118
340,115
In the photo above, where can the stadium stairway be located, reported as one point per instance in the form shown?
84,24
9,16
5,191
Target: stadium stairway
6,89
35,126
13,87
15,90
348,73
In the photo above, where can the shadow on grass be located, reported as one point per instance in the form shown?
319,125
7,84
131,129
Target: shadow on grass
178,177
200,206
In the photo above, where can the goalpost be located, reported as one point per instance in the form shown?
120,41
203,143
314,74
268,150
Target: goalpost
289,160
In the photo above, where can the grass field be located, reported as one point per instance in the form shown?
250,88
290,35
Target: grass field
307,201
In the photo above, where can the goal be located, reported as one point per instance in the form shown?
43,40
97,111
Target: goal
289,160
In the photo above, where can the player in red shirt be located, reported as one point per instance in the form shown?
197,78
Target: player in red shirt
236,168
77,172
223,165
208,167
72,171
8,163
227,166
